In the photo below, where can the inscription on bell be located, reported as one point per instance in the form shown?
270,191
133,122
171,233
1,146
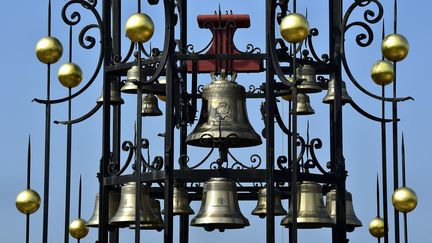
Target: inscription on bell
223,111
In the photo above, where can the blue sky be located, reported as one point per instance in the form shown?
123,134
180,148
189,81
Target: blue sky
24,79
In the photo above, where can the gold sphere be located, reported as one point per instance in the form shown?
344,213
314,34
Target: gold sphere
139,28
28,201
395,47
49,50
78,229
294,28
382,72
162,97
404,199
376,227
70,75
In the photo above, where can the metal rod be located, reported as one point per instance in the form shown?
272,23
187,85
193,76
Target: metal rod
339,231
47,159
403,162
47,144
269,122
138,141
395,154
405,227
27,228
378,196
28,187
384,154
184,219
169,134
293,228
116,127
106,115
378,202
68,171
384,168
28,163
79,201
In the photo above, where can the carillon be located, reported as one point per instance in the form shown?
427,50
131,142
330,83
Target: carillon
201,159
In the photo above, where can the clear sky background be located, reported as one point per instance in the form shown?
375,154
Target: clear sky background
24,78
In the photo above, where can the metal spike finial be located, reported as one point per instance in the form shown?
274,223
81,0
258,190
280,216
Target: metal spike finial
403,162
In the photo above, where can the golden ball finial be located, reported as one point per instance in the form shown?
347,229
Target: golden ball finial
139,28
162,97
49,50
28,201
294,28
376,227
395,47
78,229
404,199
70,75
382,72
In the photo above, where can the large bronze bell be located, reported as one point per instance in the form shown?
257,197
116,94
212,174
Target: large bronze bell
150,106
309,84
219,207
132,75
125,214
311,212
330,96
115,98
303,105
113,202
224,115
351,218
181,202
154,226
261,208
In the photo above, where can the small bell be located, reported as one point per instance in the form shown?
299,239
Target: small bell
181,202
132,76
219,207
311,212
351,219
115,97
223,115
113,203
125,214
330,96
159,226
309,83
150,106
261,208
303,105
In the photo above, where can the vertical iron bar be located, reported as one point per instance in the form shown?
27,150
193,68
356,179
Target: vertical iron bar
395,155
106,115
138,141
116,127
294,188
184,219
28,187
269,122
404,185
169,135
68,170
28,163
339,231
395,135
79,201
47,143
378,204
384,167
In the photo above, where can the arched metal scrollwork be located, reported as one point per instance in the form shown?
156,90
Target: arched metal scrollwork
363,39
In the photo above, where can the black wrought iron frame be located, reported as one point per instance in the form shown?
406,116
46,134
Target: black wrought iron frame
283,172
